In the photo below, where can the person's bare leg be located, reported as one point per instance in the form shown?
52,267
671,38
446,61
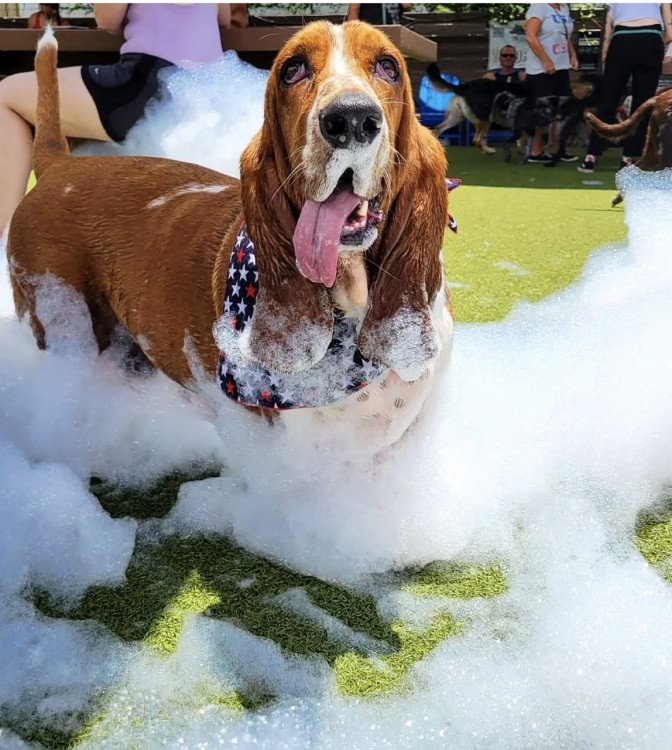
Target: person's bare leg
16,150
553,137
537,142
18,102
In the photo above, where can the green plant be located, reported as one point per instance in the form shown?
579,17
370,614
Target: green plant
506,12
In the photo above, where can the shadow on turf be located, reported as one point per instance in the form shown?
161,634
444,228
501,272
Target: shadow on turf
173,576
491,170
143,503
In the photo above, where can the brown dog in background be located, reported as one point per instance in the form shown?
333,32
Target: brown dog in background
147,242
658,147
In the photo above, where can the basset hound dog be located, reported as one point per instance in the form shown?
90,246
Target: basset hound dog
312,285
657,152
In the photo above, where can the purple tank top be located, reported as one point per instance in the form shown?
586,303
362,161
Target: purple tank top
181,34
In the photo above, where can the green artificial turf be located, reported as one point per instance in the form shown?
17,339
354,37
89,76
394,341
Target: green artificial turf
524,232
212,576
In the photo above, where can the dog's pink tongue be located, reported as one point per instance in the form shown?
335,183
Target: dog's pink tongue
318,233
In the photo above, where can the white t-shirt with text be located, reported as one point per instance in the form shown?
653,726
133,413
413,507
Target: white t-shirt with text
556,29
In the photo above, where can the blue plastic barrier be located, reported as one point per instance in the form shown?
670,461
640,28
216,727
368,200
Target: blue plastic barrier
432,104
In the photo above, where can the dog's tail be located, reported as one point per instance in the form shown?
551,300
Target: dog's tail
622,129
50,143
437,80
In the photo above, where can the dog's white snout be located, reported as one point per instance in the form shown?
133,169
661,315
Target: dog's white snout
351,119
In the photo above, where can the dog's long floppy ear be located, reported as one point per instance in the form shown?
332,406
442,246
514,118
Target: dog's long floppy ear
293,319
398,330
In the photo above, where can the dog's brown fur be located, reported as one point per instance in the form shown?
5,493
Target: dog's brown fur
657,152
146,241
81,224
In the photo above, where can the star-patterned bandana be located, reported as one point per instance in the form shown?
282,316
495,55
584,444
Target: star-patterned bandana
342,371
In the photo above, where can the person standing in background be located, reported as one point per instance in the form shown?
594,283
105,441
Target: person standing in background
240,18
633,46
378,14
49,13
103,102
548,30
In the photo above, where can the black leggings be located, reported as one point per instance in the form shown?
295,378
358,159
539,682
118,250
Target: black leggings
639,54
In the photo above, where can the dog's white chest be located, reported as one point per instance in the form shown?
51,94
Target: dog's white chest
377,416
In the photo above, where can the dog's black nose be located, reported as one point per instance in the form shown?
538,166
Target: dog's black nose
348,118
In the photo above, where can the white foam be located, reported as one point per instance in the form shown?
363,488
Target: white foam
53,669
548,435
207,116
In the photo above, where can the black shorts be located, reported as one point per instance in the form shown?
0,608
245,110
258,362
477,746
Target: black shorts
549,84
121,91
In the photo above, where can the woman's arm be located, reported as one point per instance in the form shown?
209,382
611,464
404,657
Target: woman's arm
239,15
606,38
224,15
110,16
666,12
532,29
353,11
573,59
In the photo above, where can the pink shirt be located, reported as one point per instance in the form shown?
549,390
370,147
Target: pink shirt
177,33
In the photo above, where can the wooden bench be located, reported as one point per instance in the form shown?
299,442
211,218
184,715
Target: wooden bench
257,45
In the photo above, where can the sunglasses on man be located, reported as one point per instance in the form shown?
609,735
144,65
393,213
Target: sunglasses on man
507,54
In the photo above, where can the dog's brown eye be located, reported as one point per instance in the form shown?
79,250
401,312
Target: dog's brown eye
294,70
387,68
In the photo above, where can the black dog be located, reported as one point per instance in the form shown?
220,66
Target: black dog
484,103
524,115
473,101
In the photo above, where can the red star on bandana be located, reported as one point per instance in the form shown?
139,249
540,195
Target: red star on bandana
250,291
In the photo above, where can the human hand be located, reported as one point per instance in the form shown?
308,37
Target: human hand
549,67
574,62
